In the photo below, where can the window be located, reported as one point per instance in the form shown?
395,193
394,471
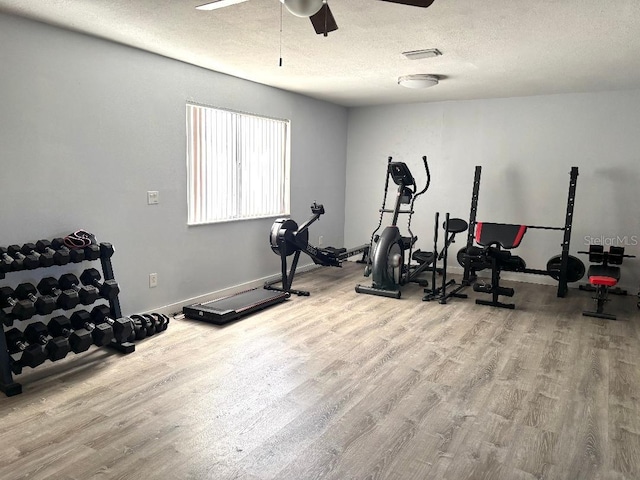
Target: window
237,165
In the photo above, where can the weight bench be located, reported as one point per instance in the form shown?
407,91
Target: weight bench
603,276
497,239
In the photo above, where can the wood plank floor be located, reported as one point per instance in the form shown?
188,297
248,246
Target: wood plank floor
345,386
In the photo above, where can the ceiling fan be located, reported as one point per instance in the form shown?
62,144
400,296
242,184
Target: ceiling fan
317,11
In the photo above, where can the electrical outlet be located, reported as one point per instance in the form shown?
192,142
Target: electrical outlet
153,197
153,280
320,239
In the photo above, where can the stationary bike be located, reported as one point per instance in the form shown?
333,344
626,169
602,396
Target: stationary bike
391,253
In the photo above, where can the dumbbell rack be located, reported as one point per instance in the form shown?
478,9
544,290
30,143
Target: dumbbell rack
7,383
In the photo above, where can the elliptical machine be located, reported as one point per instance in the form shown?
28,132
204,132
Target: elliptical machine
389,263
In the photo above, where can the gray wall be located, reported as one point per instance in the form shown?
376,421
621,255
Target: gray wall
88,126
526,147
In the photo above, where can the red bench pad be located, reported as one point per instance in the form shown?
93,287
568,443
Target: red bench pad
607,281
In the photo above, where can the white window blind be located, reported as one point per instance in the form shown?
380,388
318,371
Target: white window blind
237,165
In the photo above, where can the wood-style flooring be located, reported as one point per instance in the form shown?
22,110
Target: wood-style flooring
345,386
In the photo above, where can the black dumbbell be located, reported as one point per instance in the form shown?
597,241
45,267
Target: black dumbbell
20,309
87,294
109,289
106,250
102,334
75,254
60,257
92,252
56,348
79,340
65,299
6,262
5,319
122,327
44,259
29,262
32,355
15,263
44,304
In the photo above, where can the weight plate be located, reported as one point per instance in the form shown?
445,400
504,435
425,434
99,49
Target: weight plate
575,268
515,264
462,257
475,262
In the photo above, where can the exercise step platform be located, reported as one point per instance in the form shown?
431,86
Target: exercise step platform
230,308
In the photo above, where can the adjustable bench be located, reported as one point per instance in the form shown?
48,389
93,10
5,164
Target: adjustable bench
603,276
497,239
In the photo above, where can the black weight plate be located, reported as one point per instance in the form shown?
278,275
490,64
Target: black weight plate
462,257
575,268
515,264
475,262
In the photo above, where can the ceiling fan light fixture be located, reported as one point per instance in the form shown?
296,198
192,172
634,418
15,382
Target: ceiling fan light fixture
418,80
218,4
424,53
303,8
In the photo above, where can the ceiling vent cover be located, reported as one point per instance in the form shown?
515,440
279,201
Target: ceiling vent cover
420,54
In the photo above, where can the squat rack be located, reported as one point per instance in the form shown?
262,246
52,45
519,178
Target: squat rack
469,273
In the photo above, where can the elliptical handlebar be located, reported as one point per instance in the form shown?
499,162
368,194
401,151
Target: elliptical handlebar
426,186
384,201
428,172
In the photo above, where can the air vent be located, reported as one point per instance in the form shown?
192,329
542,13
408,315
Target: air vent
420,54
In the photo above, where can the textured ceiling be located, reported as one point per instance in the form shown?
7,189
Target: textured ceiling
498,48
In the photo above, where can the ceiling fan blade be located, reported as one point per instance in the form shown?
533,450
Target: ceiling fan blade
413,3
323,21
